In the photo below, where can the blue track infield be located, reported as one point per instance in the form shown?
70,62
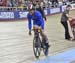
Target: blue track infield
65,57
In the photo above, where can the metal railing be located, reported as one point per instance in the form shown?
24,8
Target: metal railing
12,8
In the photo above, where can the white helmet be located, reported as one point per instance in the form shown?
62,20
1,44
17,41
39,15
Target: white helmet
30,7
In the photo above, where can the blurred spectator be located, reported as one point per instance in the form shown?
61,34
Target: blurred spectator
49,4
3,2
70,0
9,3
22,4
65,2
54,3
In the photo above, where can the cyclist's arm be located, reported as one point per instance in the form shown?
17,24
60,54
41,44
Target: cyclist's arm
29,22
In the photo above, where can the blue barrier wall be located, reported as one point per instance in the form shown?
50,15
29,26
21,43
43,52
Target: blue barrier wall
13,15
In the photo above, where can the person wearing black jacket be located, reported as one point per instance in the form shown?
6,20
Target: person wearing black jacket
64,18
41,10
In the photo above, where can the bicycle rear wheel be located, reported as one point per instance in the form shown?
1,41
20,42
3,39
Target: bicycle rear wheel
37,47
45,48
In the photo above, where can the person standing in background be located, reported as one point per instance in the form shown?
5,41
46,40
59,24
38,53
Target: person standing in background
39,6
3,3
64,18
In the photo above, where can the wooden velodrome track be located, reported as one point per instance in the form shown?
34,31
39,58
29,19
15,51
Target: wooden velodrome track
16,45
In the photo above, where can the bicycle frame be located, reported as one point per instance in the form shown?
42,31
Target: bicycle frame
36,33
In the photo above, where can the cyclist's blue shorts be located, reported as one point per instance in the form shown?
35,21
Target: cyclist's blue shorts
39,23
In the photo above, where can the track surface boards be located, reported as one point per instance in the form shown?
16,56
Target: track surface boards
16,44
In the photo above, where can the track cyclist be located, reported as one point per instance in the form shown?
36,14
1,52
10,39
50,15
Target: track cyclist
38,23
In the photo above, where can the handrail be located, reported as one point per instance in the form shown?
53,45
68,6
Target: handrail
11,8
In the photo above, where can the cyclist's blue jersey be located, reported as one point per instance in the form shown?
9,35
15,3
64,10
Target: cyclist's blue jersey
37,20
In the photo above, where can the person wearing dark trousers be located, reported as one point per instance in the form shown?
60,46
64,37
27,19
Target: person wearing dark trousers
64,18
67,36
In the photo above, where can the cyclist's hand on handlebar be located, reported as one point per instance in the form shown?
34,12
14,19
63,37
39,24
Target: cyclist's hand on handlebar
30,32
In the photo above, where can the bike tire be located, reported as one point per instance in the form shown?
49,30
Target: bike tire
45,48
37,47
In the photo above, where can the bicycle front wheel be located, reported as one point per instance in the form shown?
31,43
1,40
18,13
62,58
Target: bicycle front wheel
37,47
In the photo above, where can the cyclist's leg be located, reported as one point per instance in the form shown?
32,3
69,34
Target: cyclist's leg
44,36
41,30
40,27
45,43
36,28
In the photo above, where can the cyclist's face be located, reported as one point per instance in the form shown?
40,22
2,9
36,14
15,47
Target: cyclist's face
31,12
